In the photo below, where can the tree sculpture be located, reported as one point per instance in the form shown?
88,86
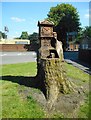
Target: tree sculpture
50,63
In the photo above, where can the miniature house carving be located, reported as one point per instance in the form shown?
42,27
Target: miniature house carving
51,75
49,45
49,63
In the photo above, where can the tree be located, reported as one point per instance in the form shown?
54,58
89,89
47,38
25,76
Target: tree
34,38
24,35
66,19
3,35
87,32
0,35
84,33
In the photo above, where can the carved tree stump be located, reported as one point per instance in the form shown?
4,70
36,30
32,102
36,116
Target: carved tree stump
55,81
51,74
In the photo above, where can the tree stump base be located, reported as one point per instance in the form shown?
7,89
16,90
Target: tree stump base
52,72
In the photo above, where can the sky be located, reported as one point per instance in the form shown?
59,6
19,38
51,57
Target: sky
24,16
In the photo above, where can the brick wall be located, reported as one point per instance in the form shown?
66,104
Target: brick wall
18,47
13,47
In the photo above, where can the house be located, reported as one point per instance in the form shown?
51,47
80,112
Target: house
73,47
85,44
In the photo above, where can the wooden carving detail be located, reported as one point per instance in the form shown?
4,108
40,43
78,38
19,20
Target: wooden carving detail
46,32
50,66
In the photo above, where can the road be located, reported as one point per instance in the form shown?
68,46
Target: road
20,57
17,57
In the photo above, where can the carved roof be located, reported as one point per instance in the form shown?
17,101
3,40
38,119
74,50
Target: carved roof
45,22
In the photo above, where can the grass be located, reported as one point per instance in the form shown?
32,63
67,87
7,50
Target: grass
14,105
76,73
21,69
80,78
85,109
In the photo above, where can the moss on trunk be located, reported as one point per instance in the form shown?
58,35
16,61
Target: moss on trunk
52,72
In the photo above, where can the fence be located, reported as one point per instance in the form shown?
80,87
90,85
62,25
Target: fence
85,55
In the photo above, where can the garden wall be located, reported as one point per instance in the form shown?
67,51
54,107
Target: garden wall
17,47
85,55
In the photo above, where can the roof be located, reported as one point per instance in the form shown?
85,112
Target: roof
45,22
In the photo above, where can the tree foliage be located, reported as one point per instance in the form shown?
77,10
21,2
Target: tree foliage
84,33
34,38
87,32
65,18
3,35
0,34
24,35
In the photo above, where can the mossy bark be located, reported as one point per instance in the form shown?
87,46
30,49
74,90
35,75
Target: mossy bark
52,72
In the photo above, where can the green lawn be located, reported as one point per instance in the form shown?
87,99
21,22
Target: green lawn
14,105
22,69
76,73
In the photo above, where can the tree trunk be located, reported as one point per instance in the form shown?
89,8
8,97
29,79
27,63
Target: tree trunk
55,81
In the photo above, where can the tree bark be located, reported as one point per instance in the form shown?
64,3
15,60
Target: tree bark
55,82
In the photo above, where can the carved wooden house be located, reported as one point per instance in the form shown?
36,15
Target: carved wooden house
48,40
